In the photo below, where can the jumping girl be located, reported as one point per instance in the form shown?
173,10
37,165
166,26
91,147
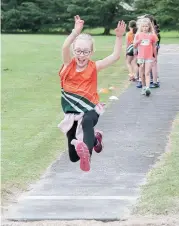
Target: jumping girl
80,100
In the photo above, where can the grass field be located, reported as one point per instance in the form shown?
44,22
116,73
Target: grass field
31,103
161,193
167,37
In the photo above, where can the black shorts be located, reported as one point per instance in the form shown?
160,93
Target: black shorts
130,50
130,54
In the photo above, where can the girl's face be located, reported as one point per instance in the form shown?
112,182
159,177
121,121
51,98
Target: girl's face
145,27
82,51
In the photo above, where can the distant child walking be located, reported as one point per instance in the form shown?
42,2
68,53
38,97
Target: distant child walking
80,100
130,56
145,41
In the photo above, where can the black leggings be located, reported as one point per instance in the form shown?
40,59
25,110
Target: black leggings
90,119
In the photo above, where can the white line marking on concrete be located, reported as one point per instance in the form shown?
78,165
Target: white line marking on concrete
81,197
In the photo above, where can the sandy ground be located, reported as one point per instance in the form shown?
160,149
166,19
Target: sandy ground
133,221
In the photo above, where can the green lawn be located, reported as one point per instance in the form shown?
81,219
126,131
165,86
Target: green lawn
161,193
167,37
31,103
170,34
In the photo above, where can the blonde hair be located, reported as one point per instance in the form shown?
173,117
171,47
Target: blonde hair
146,21
87,37
138,22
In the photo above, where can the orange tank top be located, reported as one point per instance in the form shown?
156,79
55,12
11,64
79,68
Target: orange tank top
79,89
129,38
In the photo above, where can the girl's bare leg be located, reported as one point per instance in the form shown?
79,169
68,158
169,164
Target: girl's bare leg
142,74
135,66
154,72
129,64
148,68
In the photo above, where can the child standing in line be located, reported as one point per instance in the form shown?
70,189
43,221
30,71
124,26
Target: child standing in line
139,81
145,41
80,100
130,57
154,71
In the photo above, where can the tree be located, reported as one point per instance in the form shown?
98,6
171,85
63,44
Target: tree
10,19
165,11
109,13
31,15
96,13
8,5
39,15
168,13
84,8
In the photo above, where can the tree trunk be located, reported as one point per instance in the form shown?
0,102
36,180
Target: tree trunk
106,31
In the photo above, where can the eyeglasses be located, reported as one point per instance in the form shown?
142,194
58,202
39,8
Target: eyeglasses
79,51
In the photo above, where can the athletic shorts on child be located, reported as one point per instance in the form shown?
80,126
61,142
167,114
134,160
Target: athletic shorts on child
130,46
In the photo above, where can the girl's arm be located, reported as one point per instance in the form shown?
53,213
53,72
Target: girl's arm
127,39
137,40
101,64
66,55
155,50
155,39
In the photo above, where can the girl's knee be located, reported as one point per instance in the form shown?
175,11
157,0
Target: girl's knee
87,120
147,74
129,63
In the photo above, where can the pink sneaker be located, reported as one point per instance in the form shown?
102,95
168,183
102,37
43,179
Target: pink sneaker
99,146
83,153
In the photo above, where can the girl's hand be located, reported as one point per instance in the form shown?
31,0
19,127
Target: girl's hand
139,41
121,28
78,24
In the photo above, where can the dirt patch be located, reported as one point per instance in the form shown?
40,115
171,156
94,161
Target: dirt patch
133,221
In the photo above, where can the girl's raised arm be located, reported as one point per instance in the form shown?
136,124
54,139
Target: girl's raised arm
70,39
120,30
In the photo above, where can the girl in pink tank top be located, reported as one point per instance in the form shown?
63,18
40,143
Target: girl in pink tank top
145,41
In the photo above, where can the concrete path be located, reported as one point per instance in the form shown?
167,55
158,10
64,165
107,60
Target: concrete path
136,129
